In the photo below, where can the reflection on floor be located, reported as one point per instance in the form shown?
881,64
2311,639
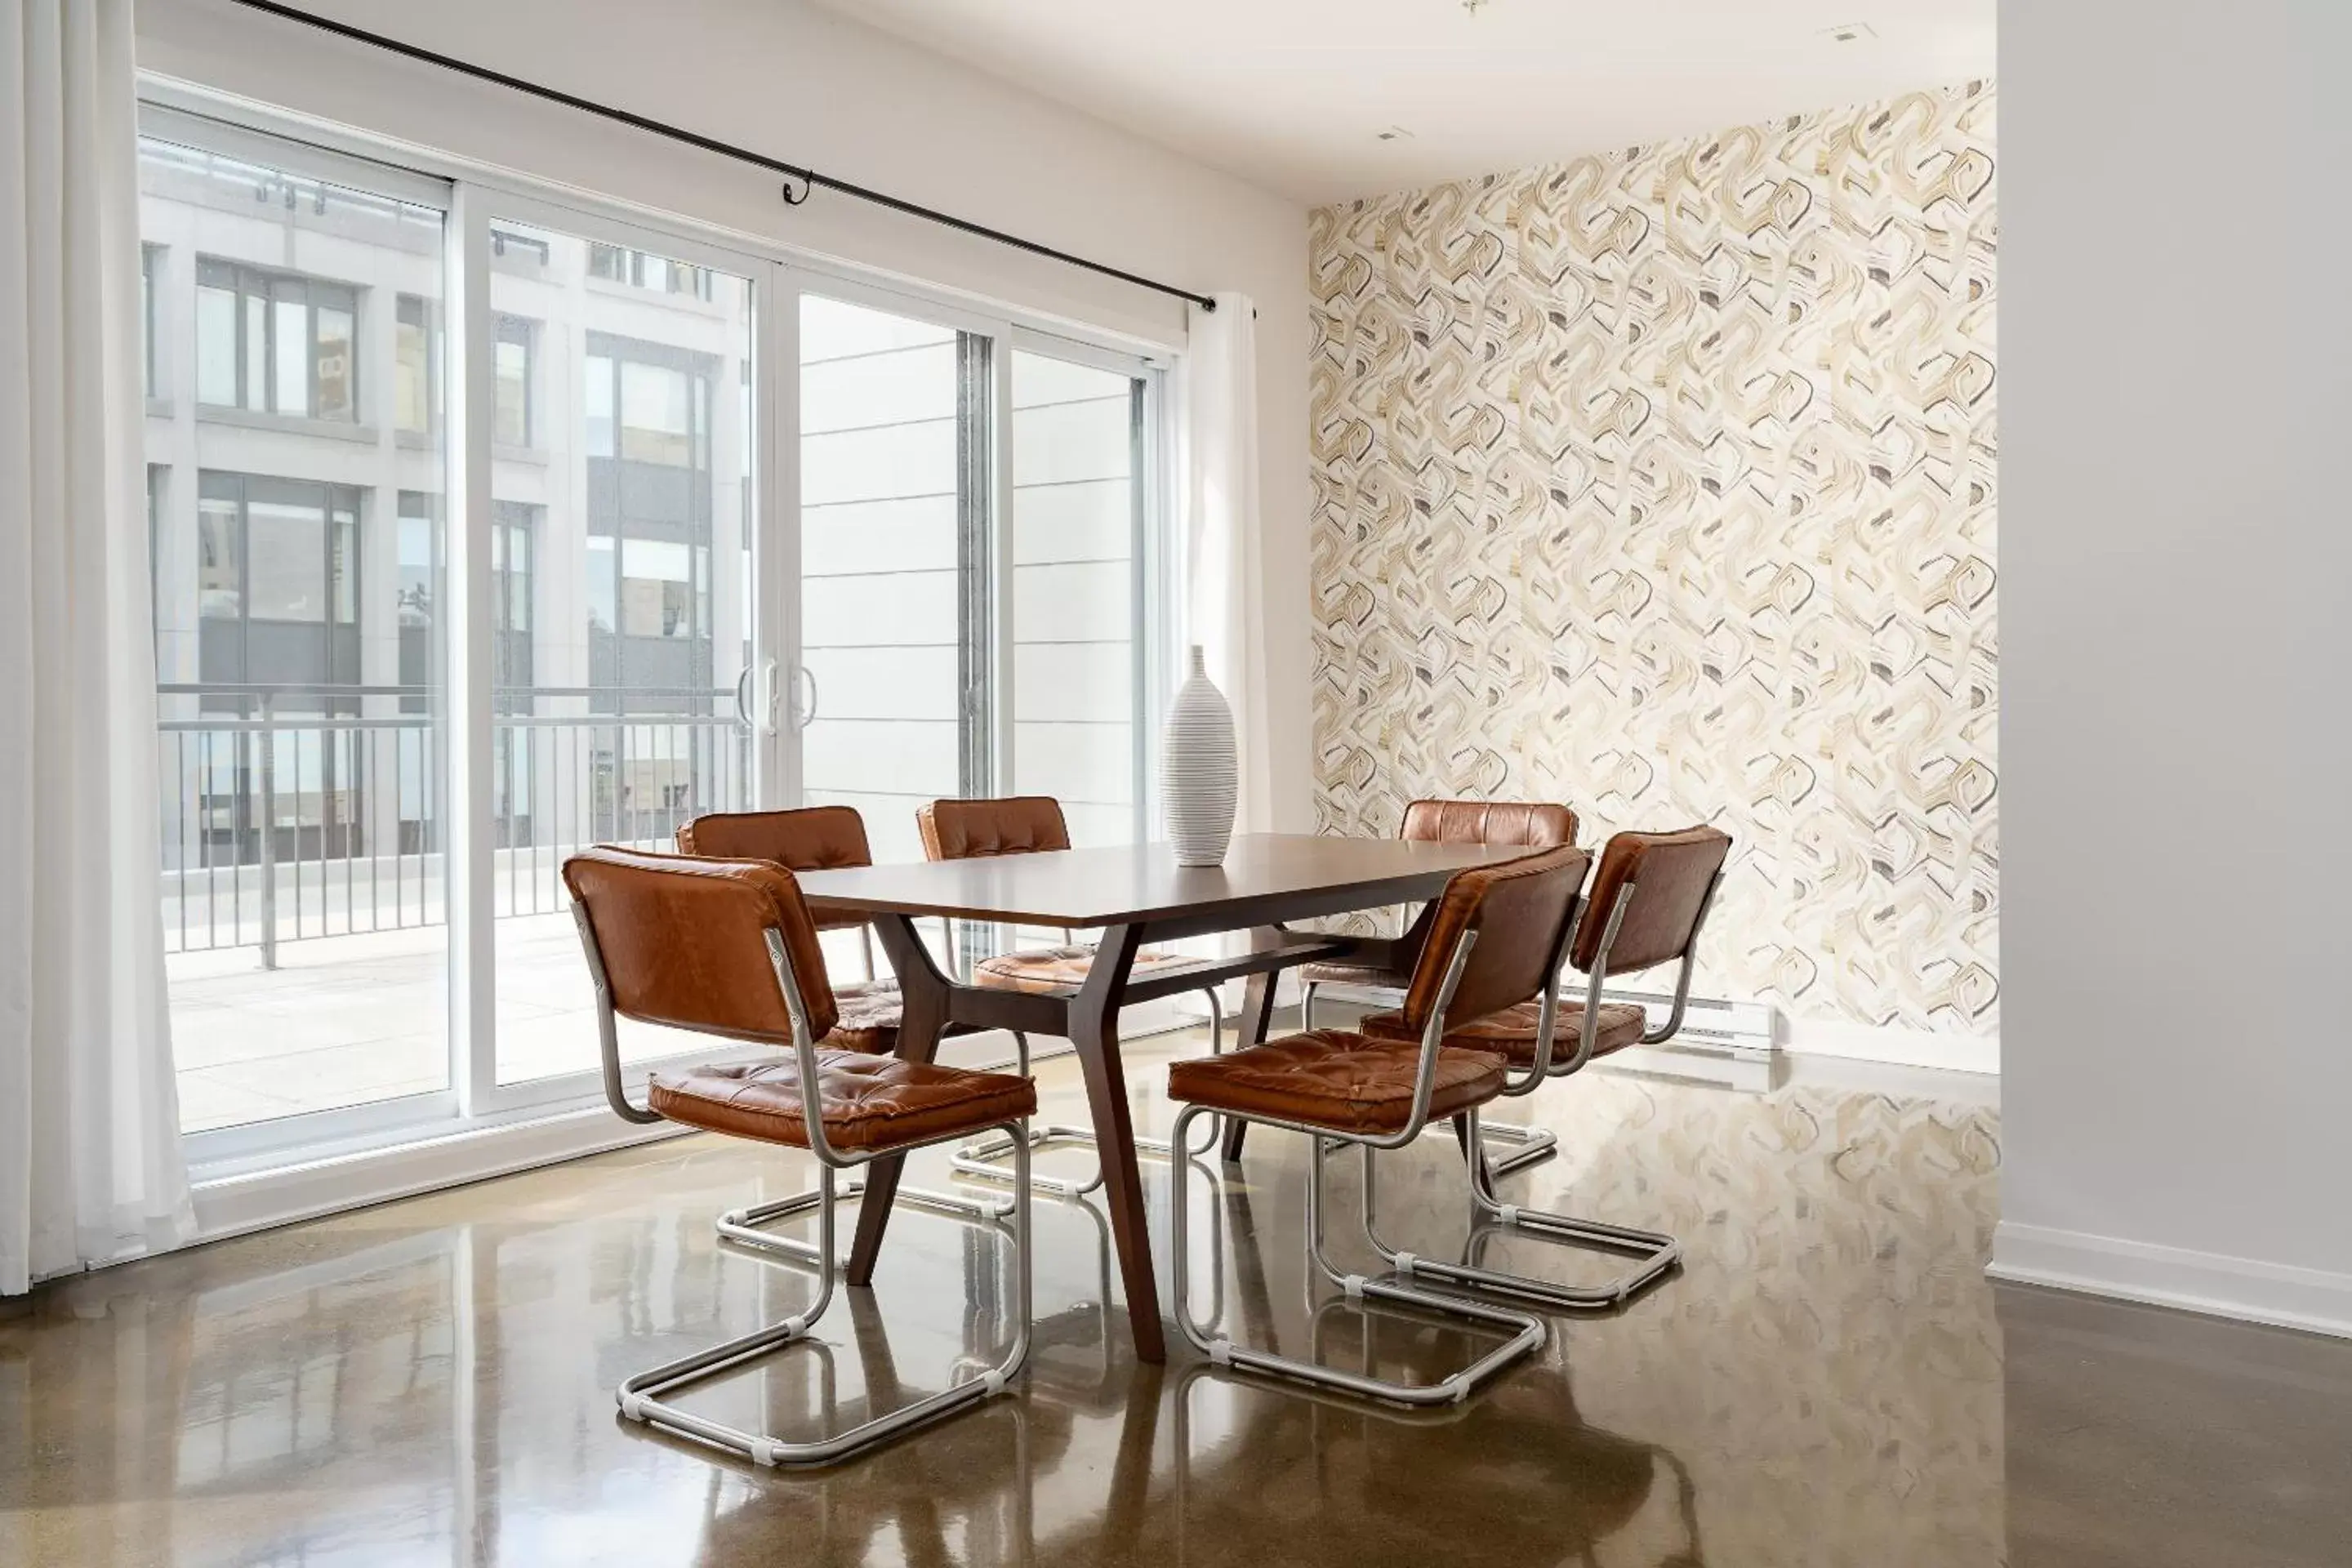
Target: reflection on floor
1831,1380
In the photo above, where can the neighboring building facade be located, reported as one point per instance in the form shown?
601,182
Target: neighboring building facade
295,452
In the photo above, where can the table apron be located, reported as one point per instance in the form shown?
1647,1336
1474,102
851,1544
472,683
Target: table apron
1048,1012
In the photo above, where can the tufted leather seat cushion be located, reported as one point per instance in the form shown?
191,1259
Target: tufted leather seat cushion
1057,969
869,1018
1335,1079
867,1102
1375,976
1513,1032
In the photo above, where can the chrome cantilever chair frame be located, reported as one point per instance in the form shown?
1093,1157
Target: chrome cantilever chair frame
748,1224
640,1396
1657,1254
1530,1145
1525,1331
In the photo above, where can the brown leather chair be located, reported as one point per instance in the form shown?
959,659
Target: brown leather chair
1387,967
821,838
809,838
1494,939
1649,899
1028,824
813,838
727,948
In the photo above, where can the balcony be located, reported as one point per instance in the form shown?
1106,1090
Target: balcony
304,913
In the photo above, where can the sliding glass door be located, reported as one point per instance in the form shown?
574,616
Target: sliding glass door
894,493
622,522
490,523
294,474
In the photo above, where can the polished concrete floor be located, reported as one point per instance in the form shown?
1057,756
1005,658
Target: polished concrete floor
1830,1381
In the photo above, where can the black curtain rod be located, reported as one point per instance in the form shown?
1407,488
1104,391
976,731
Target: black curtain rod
809,178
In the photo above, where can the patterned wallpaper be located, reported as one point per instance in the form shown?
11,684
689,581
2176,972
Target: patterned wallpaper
1662,483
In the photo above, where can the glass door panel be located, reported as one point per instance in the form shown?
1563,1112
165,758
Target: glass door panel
621,526
1077,517
895,460
299,656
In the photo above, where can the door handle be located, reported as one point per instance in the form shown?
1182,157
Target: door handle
742,707
806,717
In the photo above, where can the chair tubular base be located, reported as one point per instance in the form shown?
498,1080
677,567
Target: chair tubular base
1525,1331
1658,1255
746,1225
1521,1146
640,1397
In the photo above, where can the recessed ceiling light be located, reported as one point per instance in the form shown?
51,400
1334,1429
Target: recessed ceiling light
1849,32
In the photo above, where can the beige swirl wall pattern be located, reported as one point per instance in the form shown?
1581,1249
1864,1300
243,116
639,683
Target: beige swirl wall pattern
1662,483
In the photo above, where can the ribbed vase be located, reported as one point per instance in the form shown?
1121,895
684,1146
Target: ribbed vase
1199,774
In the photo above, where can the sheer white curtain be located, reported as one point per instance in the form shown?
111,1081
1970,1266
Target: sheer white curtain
90,1167
1224,596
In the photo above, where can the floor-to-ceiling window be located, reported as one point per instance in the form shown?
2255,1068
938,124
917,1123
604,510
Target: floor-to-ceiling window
621,480
293,472
706,530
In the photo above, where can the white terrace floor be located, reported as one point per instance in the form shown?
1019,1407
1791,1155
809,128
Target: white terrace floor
351,1020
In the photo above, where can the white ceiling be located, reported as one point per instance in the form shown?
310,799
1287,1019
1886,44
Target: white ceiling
1291,94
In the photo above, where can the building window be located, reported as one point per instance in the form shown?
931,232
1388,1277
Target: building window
511,424
514,528
656,427
417,594
416,371
278,580
603,584
597,406
276,343
656,589
151,260
506,242
641,269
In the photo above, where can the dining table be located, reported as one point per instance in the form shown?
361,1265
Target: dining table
1133,895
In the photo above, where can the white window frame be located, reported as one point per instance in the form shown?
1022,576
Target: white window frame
472,194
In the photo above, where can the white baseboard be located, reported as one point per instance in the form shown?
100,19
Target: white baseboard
1898,1046
2213,1283
241,1202
234,1205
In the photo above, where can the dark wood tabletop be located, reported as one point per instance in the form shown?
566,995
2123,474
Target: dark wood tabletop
1277,875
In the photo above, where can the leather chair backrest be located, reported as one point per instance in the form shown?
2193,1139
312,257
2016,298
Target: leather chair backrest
1015,825
1520,909
813,839
1538,825
1670,874
682,942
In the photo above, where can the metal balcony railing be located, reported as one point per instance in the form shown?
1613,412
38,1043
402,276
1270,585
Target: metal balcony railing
294,812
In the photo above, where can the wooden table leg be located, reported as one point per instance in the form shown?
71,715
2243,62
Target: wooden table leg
923,1003
1094,1029
1249,1029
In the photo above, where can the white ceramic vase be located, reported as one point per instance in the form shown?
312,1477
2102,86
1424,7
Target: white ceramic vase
1199,775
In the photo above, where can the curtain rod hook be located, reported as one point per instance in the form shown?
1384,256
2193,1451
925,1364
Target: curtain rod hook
807,185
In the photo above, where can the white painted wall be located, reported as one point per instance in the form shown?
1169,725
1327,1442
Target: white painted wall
811,87
2177,606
